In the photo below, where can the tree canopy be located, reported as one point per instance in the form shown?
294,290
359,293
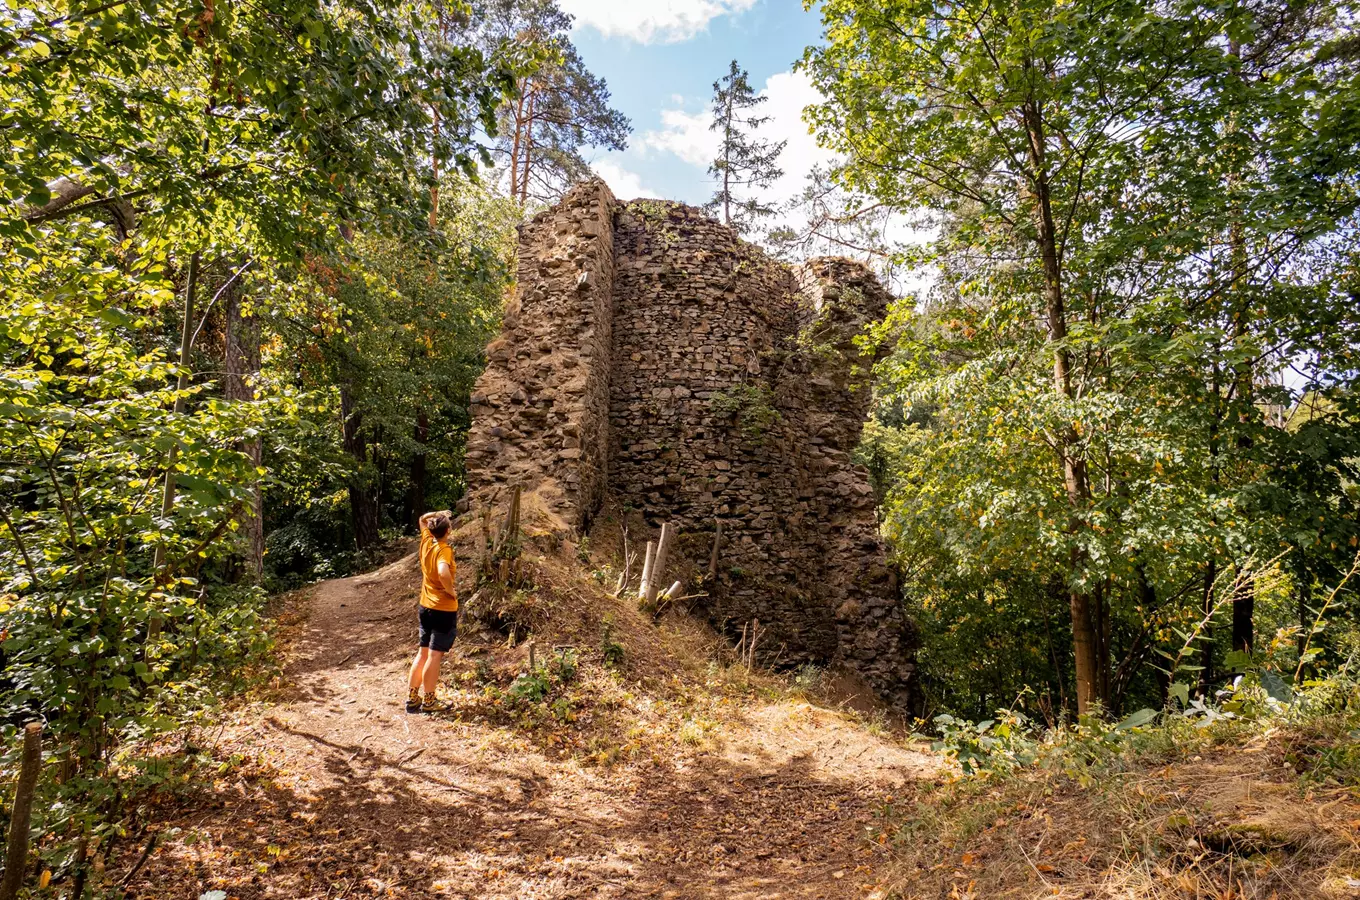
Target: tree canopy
222,273
1144,219
559,107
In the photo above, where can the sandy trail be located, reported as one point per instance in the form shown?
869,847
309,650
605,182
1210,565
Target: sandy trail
346,795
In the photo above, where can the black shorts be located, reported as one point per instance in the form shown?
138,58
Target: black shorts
438,628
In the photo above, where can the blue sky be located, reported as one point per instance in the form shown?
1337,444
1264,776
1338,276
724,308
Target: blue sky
660,59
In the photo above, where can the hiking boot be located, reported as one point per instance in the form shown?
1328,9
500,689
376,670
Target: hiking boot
413,703
431,704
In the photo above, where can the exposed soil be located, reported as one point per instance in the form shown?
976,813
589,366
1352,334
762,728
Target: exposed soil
335,791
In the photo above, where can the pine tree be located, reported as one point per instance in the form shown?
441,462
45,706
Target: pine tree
559,106
744,162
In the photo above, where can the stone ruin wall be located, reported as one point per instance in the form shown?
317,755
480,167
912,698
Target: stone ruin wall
540,411
630,326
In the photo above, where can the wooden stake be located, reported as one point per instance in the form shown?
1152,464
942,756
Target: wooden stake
514,512
484,537
16,854
646,568
751,649
533,657
510,530
659,564
713,557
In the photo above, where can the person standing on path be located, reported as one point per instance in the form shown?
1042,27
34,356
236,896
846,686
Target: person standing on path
438,610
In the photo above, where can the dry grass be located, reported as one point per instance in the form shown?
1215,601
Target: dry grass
1225,819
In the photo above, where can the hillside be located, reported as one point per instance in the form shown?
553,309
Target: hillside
671,774
652,764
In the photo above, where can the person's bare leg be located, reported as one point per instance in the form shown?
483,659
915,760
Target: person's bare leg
418,667
433,661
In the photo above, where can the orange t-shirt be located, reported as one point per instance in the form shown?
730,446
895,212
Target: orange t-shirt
432,593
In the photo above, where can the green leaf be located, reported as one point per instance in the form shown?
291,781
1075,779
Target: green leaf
1137,720
1276,687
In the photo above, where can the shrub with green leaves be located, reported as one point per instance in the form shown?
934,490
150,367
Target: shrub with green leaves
170,172
750,406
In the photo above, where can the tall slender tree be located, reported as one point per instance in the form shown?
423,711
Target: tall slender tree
1130,238
744,164
559,109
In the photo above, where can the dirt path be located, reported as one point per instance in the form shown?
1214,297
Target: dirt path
342,794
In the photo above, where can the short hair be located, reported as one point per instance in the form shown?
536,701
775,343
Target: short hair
439,526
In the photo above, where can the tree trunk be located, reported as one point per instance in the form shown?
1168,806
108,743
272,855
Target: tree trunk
1085,637
1206,647
241,349
727,160
1243,612
186,343
415,497
1084,651
1244,381
16,853
515,143
1305,599
528,152
1101,601
363,497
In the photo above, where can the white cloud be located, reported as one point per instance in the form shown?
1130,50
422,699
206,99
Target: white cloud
687,135
650,21
625,185
789,94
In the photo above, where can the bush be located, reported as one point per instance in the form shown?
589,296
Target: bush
752,406
315,543
611,649
1323,712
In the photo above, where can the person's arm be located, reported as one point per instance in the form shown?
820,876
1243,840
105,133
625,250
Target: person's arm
425,519
447,570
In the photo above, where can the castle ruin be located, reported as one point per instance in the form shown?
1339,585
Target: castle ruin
652,358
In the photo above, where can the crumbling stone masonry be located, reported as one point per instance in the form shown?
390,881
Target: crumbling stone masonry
650,355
